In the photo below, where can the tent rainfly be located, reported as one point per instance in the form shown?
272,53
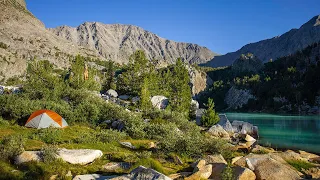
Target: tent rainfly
44,119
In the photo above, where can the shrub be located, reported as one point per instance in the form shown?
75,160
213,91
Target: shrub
107,136
227,174
11,146
48,135
49,153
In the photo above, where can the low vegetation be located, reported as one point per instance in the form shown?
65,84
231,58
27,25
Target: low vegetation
75,99
300,165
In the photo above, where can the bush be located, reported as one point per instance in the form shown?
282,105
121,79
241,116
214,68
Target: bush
107,136
49,153
48,135
227,174
11,146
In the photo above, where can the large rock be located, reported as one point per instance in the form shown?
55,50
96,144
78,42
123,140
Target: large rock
215,159
160,102
272,169
218,165
242,127
235,159
128,145
124,97
268,166
309,156
199,113
79,156
314,172
249,138
290,155
28,156
143,173
112,93
199,80
242,173
201,172
199,165
118,125
218,131
93,177
195,103
225,123
261,150
114,166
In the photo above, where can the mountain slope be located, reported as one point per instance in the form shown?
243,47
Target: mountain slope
117,42
23,37
286,44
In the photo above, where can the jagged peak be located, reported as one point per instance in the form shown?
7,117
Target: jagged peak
315,21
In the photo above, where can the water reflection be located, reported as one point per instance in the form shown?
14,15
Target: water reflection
292,132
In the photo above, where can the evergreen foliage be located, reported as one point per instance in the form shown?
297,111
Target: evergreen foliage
145,103
210,117
293,78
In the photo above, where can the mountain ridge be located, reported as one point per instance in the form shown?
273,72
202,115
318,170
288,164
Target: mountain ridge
117,41
278,46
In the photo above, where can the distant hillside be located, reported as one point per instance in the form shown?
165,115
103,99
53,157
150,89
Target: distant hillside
290,84
286,44
117,42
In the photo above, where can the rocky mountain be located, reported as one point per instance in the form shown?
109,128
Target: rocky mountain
279,46
247,63
23,38
117,42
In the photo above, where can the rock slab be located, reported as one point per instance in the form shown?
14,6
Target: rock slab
79,156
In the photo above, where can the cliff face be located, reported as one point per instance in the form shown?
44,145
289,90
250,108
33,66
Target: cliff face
286,44
23,37
117,42
236,98
199,81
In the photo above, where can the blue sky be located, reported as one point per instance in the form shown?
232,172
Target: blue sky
221,25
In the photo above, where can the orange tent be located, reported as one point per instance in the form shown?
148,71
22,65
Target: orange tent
44,119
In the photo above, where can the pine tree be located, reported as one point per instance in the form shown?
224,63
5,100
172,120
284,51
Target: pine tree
110,80
180,90
210,117
145,103
131,79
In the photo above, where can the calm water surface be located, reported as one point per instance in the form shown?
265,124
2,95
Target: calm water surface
292,132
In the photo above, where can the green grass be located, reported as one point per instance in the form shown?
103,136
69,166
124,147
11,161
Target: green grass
140,143
68,138
151,163
300,165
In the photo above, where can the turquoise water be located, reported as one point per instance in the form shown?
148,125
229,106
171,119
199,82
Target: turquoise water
278,131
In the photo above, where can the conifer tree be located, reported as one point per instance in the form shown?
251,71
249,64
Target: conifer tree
210,117
145,103
180,90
